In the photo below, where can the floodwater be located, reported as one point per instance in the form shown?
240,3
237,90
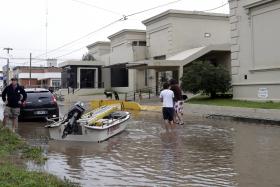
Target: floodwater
203,152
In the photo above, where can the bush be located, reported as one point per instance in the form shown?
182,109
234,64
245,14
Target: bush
207,78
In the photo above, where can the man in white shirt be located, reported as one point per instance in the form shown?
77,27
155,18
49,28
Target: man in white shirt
166,96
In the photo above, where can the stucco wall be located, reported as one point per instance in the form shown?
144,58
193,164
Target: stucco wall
101,52
192,33
175,34
159,38
255,54
122,50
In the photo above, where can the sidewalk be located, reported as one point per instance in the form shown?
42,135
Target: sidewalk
268,116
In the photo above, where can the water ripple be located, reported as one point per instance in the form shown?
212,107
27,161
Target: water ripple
200,153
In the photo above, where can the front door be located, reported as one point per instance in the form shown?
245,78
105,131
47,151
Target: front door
87,78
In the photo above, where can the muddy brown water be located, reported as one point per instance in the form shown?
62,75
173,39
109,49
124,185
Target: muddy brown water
203,152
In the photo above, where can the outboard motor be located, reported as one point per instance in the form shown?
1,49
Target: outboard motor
73,115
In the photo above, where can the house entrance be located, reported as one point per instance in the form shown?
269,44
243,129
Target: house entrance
88,78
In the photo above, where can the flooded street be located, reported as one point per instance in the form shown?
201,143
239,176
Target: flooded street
203,152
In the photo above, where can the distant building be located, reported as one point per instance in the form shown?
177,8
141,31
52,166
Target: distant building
81,74
7,74
101,53
255,56
51,62
40,76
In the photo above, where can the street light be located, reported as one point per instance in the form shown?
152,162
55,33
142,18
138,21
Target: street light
8,64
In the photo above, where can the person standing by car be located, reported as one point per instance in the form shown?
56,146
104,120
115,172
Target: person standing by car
178,101
13,96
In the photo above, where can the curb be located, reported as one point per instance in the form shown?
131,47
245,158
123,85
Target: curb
244,119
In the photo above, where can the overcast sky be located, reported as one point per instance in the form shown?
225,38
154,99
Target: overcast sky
23,23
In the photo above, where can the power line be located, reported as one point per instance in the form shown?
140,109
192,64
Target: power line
97,7
216,7
78,39
159,6
121,19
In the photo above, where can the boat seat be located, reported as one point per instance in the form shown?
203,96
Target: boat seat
118,115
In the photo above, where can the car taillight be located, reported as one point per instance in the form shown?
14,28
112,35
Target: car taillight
53,101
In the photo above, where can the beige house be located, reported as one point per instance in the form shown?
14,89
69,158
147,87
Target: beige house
176,38
136,59
127,47
255,49
101,52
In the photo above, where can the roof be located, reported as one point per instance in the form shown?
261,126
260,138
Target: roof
126,31
81,63
34,67
254,3
99,43
184,13
183,55
40,76
183,58
194,53
35,89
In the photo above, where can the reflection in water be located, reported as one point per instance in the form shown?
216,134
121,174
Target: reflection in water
200,153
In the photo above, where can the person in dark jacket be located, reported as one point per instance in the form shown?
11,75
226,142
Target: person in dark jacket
13,96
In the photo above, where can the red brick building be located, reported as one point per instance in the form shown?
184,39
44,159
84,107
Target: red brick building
40,76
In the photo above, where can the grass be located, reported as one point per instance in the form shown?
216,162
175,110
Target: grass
11,176
9,142
12,148
233,103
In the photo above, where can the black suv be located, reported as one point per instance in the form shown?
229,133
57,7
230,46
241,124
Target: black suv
40,103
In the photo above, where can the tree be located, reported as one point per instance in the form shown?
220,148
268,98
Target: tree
88,57
207,78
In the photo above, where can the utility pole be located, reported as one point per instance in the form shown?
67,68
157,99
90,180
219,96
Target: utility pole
8,65
30,58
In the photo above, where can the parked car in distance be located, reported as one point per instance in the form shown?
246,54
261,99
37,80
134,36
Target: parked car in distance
40,103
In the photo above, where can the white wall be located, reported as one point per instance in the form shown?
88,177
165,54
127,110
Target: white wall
255,51
159,38
101,52
49,75
176,34
122,50
190,33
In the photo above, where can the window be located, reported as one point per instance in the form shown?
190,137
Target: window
119,76
161,57
146,77
207,35
56,83
139,43
142,43
265,35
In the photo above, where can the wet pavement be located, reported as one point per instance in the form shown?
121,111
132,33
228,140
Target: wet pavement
203,152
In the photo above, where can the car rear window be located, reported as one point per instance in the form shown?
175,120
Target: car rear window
42,95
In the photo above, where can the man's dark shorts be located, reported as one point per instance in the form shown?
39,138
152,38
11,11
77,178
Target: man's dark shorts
168,113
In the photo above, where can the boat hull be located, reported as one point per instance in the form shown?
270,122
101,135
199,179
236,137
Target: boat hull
88,133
